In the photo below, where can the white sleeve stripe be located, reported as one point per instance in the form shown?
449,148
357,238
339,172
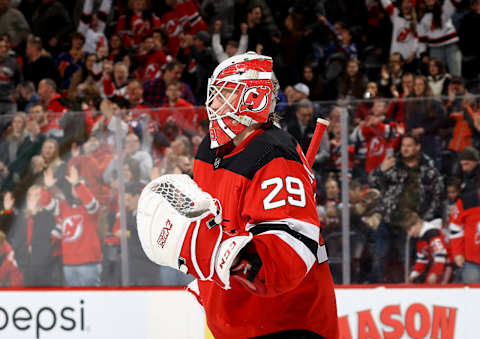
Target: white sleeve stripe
440,259
456,235
299,247
455,227
51,206
92,206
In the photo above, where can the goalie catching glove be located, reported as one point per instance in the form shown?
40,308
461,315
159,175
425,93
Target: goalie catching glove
179,226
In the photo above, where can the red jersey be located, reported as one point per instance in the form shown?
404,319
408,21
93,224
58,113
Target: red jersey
189,17
431,249
150,65
56,107
377,139
266,188
10,276
171,24
110,89
80,243
465,229
134,27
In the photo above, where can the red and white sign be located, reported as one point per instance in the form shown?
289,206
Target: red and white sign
376,312
418,313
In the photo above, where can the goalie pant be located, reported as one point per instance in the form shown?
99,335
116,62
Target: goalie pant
266,188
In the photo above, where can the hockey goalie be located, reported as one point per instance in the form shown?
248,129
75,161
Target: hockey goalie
247,226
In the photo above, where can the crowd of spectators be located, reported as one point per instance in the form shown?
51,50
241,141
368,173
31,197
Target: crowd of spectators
79,77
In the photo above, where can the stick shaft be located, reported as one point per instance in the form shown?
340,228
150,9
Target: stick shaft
320,128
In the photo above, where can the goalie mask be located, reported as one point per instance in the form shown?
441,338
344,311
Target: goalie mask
242,91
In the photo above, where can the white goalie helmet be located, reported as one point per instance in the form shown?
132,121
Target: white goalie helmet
241,91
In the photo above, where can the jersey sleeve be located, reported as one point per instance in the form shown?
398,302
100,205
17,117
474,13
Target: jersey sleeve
390,8
87,198
438,250
281,212
456,227
421,262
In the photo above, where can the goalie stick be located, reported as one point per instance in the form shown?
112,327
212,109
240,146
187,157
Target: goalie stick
320,128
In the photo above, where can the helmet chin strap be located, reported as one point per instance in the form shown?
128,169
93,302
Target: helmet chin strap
243,119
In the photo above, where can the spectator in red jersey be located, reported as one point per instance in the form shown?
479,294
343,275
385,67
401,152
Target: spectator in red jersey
78,215
374,138
91,164
138,22
55,105
114,79
432,250
180,109
150,59
171,25
49,127
10,276
154,90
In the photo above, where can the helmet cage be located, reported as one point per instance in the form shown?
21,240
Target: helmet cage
216,89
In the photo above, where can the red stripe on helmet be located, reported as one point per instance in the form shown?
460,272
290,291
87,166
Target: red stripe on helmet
261,65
